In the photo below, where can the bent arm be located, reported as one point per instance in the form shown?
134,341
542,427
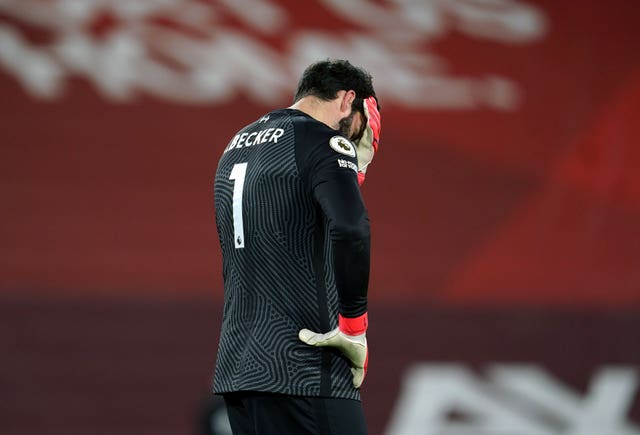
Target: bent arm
344,209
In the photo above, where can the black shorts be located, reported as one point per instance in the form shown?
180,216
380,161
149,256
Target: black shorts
252,413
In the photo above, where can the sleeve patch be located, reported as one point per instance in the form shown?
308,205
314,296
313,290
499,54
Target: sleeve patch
342,145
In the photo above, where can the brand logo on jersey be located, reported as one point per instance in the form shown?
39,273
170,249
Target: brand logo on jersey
452,399
342,145
347,164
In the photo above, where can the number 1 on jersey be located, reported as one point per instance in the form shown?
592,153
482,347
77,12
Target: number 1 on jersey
238,173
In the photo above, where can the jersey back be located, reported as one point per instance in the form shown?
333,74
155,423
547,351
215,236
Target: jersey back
277,267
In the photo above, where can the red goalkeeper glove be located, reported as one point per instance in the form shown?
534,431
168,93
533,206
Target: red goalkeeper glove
367,145
350,339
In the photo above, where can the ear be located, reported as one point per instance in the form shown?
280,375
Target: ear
346,101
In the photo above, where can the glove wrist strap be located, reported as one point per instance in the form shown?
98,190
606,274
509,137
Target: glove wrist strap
353,325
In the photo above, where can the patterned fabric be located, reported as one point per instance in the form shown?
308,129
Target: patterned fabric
277,258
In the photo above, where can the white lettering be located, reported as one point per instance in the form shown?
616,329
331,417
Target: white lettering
249,142
259,137
260,14
265,137
255,138
233,143
521,400
225,62
36,69
504,20
243,136
277,134
347,164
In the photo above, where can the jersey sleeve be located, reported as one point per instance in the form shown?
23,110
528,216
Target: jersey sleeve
331,171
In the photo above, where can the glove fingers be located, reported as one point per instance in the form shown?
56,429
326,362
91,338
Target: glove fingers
367,145
358,376
353,348
317,339
373,116
354,351
306,335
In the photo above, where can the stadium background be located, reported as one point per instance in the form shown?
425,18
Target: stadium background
505,206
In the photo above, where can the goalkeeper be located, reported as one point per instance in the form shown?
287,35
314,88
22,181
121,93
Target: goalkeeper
295,241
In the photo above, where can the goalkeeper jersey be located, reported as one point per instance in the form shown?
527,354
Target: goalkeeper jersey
294,235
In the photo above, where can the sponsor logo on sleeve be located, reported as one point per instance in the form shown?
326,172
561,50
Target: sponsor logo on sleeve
342,145
347,164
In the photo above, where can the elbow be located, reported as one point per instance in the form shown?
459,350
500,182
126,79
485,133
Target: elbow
351,231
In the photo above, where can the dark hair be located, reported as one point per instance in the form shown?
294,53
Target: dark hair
325,78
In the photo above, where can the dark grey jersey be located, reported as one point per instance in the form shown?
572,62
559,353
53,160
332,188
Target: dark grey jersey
294,235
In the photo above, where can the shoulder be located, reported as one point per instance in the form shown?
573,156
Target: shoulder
313,134
310,128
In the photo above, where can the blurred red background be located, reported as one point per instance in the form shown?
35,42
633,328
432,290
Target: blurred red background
506,183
